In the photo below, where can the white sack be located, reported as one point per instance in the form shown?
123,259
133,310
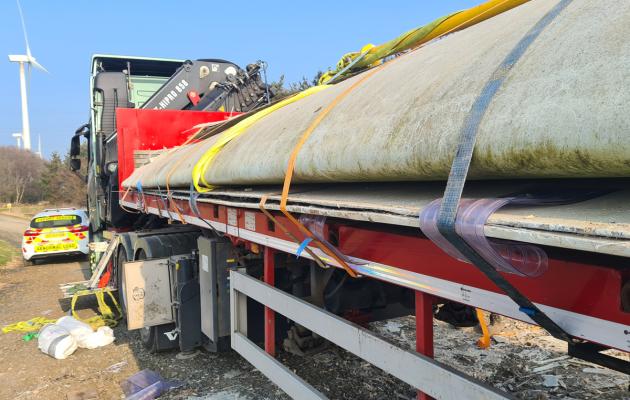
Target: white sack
84,334
56,341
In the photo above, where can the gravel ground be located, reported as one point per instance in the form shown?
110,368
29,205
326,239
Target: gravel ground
521,360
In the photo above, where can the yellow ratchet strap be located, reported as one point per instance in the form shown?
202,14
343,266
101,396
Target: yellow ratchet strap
107,317
233,132
32,325
423,34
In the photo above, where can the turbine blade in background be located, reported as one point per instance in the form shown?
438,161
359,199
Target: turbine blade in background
28,49
37,65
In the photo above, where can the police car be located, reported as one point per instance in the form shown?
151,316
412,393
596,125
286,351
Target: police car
59,231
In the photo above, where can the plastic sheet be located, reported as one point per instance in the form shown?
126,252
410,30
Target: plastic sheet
506,256
146,385
516,258
103,336
315,224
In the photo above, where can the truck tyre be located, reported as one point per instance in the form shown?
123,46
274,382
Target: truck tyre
121,258
148,339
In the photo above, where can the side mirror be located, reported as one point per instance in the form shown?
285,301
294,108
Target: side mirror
83,130
75,146
75,142
75,164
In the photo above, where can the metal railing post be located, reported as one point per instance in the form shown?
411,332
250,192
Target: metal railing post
270,315
424,329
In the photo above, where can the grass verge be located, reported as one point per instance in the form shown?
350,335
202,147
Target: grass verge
7,252
25,211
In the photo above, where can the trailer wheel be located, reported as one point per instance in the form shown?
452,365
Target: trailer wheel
149,339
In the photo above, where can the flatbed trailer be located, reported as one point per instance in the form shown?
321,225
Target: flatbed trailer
589,305
216,267
582,291
376,227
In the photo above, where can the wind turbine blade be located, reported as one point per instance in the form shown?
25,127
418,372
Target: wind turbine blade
36,65
28,49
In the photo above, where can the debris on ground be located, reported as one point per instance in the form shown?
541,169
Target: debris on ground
116,368
550,381
147,384
83,333
516,350
62,338
526,361
56,341
32,325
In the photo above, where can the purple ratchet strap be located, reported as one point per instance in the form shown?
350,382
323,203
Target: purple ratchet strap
315,224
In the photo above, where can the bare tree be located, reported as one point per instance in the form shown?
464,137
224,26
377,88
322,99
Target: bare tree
59,185
19,175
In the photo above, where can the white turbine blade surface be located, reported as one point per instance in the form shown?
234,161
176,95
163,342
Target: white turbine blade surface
37,65
28,49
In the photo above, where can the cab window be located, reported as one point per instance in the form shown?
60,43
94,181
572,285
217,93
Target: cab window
55,221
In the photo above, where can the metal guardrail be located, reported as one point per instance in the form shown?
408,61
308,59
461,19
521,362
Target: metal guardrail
426,374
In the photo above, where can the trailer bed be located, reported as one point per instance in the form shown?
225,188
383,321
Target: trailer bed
377,227
599,225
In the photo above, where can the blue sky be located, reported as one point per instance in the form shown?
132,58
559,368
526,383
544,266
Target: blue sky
296,38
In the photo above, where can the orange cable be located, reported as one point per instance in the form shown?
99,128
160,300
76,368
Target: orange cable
291,167
261,205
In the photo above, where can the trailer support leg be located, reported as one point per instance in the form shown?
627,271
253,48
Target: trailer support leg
424,329
270,315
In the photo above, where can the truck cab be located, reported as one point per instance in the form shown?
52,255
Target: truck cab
115,82
155,84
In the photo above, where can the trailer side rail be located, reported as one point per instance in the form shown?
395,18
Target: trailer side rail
604,323
424,373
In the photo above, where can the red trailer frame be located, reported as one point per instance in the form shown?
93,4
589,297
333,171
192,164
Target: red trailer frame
580,291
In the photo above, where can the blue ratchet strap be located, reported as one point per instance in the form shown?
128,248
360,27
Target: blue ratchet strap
164,204
141,197
192,202
302,246
527,311
459,170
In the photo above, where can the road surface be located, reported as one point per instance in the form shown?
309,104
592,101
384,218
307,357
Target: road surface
11,229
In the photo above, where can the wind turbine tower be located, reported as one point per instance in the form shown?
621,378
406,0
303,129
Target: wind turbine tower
18,137
30,61
39,146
